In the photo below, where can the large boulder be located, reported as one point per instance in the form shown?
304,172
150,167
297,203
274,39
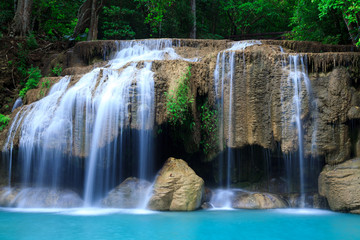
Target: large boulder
39,197
249,200
131,193
177,188
340,184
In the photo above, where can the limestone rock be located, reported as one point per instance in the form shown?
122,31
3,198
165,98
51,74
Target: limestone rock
129,194
354,113
312,200
39,197
247,200
340,184
177,188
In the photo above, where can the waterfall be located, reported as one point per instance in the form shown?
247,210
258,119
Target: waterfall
95,124
224,80
18,103
296,86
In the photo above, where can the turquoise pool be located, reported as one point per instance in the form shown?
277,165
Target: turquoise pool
237,224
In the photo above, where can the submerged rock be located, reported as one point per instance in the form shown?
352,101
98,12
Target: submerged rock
310,200
177,188
39,197
340,184
131,193
248,200
206,205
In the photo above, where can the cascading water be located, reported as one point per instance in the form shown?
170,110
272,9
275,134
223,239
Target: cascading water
94,124
296,86
296,79
224,77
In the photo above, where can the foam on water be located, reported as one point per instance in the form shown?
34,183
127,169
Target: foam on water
304,211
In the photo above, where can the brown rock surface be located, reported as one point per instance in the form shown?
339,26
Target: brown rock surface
129,194
248,200
340,184
39,197
262,113
177,188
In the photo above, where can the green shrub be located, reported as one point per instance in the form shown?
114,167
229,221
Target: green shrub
33,78
57,70
179,102
209,128
4,121
21,63
31,42
44,86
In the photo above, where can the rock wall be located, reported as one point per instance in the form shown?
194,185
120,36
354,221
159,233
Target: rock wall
262,112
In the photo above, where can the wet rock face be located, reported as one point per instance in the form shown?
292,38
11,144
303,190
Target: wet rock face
129,194
263,111
309,200
177,188
39,197
248,200
340,184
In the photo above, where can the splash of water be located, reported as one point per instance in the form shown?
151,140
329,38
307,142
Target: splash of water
224,78
92,124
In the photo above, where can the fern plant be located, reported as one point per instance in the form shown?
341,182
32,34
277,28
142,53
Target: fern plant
4,121
34,76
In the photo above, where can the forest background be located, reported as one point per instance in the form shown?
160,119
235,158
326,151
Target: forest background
31,31
326,21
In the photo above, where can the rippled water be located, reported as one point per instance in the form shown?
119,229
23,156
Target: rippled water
139,224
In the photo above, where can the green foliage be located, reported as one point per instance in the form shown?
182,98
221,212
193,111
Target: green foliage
4,120
6,14
179,102
55,18
156,10
57,70
33,78
308,26
256,16
349,9
114,27
209,128
22,58
45,85
31,42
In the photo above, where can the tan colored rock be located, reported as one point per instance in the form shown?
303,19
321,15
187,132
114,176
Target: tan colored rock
131,193
247,200
262,113
340,184
39,197
177,188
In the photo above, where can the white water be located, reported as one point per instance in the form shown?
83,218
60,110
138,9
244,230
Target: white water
224,78
18,103
87,125
298,81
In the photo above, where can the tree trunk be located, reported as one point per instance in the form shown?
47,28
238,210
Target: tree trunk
94,19
88,17
352,29
21,23
193,11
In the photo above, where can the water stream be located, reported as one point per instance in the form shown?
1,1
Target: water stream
93,123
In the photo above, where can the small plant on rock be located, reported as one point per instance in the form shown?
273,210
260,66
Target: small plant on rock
209,128
179,102
33,78
57,70
4,121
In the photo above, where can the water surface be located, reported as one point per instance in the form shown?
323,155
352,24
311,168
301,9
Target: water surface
139,224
